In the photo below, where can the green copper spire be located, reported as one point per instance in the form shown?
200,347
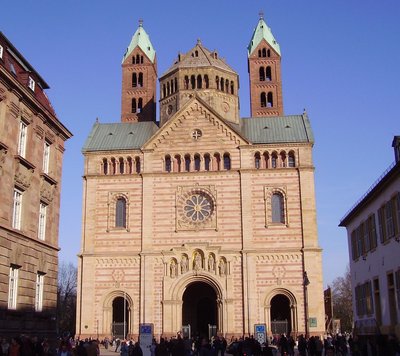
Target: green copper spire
262,31
142,40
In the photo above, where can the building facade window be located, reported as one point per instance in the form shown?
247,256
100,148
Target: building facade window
31,83
291,160
397,277
13,287
168,163
257,160
364,302
42,221
17,209
46,157
39,292
23,131
120,213
1,52
277,208
227,162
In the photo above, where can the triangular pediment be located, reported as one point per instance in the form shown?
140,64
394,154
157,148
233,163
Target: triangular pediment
198,126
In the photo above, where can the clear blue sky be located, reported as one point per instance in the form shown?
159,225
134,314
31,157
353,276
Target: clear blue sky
340,61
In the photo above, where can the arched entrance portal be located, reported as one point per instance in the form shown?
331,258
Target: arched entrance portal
120,317
199,308
281,320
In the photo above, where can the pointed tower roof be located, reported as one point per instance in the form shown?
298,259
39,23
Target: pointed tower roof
262,31
199,56
142,40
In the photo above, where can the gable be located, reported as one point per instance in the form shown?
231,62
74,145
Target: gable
196,127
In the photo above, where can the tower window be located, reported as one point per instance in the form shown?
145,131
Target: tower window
140,81
227,85
227,161
291,159
113,166
257,160
268,74
120,213
217,81
262,74
164,91
140,105
137,59
137,165
206,81
141,59
134,80
207,161
178,164
199,82
259,52
121,165
266,159
269,53
263,100
105,166
168,163
168,89
217,162
176,84
232,88
196,162
277,208
222,84
193,82
130,165
133,105
274,160
270,102
187,163
196,53
264,52
186,85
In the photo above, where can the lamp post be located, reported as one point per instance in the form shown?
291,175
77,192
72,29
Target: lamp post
306,282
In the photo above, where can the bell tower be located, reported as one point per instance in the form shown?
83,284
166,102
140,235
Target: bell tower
264,65
139,78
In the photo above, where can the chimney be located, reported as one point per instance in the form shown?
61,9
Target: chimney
396,147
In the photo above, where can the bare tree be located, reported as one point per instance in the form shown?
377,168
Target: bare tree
66,298
342,300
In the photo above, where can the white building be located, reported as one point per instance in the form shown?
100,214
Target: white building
373,230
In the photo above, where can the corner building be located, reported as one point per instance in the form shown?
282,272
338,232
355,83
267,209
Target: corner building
31,152
202,218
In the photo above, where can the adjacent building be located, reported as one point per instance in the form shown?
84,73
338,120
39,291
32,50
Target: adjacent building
201,220
31,151
373,232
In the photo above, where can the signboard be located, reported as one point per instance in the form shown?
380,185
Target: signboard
145,338
312,322
260,332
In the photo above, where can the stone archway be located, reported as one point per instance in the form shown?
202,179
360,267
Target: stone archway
117,314
281,312
199,308
174,310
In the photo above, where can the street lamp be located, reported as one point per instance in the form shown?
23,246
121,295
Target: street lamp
306,282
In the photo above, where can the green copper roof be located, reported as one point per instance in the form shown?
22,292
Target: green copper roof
119,136
291,129
142,40
262,31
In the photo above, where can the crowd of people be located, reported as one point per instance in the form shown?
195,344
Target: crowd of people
339,344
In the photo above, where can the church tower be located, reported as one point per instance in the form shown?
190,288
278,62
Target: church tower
139,78
264,65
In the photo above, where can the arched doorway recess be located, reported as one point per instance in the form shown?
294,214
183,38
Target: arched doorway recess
200,308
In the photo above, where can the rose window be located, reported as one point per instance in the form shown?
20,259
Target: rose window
198,207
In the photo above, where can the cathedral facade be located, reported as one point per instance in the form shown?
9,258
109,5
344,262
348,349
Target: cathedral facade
202,218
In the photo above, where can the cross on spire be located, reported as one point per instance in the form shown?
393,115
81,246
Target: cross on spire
140,22
261,14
